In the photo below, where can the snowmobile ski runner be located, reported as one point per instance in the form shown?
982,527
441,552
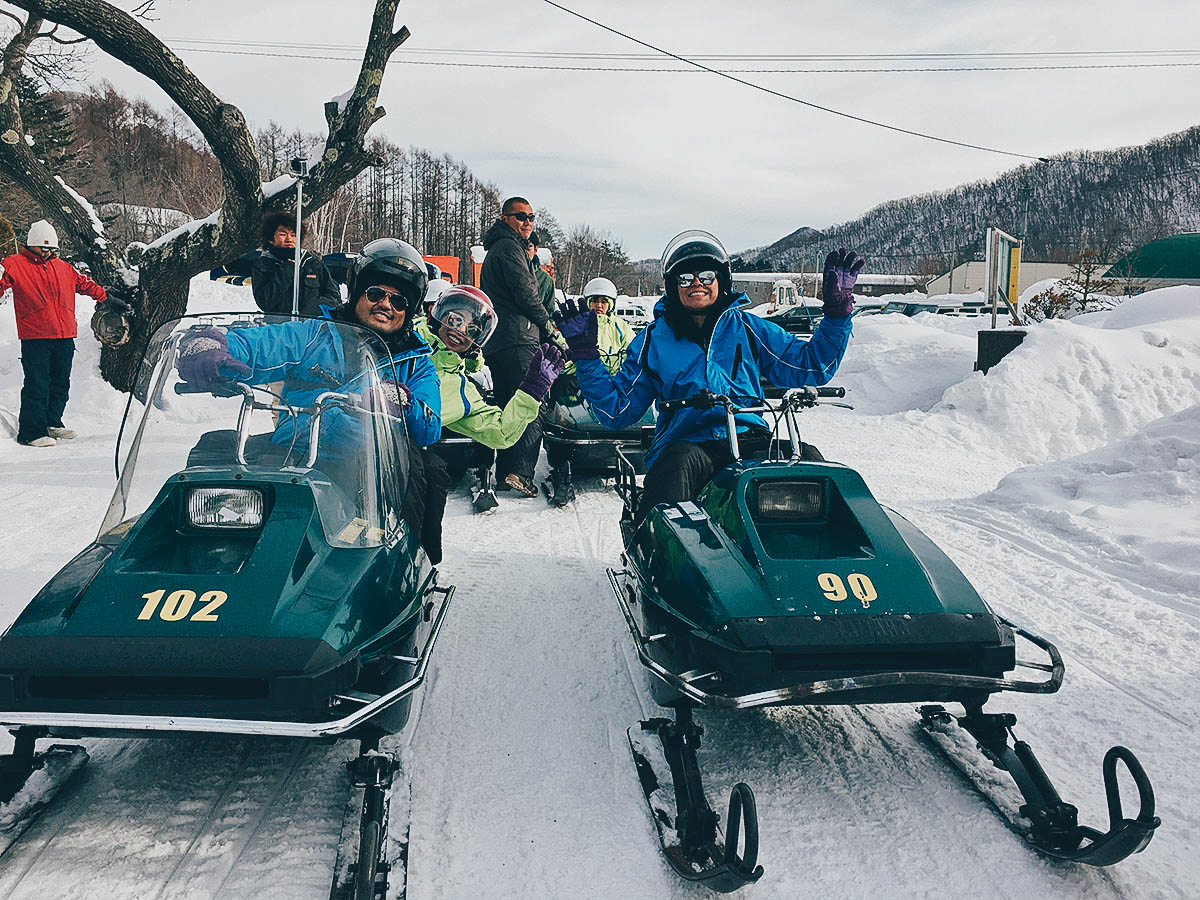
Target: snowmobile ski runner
786,583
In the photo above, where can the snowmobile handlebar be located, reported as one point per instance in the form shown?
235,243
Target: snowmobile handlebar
707,399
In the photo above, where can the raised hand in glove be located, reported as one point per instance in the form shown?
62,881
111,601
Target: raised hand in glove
398,397
547,364
579,328
837,286
204,359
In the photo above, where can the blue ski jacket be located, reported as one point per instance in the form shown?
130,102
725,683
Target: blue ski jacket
308,354
660,366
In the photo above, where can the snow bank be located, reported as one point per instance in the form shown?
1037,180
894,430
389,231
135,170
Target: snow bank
1133,504
1154,307
1070,388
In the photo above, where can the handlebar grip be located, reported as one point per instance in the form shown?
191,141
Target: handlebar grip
217,390
831,392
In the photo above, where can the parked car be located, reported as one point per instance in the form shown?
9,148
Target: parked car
797,319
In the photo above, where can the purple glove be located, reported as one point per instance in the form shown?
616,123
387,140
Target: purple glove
546,365
837,288
398,396
579,328
203,355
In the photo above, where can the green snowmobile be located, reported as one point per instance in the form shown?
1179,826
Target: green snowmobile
785,582
254,575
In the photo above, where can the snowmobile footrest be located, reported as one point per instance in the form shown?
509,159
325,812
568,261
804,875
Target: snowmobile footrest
688,828
1052,825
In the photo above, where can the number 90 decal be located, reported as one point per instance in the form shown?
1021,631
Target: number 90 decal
860,586
181,605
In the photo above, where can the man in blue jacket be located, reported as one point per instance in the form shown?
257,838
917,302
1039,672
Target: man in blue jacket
388,281
703,339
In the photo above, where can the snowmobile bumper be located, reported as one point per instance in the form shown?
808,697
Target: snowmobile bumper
857,688
369,706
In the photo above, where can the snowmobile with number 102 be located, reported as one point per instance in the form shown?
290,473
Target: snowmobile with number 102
253,576
786,583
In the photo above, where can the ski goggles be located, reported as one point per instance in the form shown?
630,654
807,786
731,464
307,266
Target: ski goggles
463,324
707,277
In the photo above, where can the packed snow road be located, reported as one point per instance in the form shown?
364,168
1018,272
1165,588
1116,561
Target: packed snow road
521,776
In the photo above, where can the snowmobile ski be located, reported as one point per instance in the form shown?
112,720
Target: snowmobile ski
1035,810
29,780
664,753
363,870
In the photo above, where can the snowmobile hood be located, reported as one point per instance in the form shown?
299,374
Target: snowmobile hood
160,595
722,558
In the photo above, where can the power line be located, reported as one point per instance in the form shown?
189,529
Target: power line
783,96
748,57
694,71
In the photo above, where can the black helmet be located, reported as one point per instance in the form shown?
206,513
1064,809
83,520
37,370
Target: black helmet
696,248
394,263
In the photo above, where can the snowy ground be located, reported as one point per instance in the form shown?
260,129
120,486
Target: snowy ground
1066,484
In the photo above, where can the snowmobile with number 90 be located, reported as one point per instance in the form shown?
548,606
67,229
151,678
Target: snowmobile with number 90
254,575
786,583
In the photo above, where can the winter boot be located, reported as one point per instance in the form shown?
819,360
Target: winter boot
43,441
522,486
61,434
483,499
558,487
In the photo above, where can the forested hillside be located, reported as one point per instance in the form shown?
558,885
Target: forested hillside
1107,201
147,171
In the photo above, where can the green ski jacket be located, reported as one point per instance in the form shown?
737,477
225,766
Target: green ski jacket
463,408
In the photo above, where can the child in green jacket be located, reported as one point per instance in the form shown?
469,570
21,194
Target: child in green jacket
457,327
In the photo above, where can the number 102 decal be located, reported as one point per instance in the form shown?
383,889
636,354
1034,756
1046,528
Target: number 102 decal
860,585
179,604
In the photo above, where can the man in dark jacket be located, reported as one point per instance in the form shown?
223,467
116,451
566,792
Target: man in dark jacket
523,326
273,274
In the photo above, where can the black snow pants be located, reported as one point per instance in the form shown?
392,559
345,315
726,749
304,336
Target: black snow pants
46,363
508,371
425,499
683,468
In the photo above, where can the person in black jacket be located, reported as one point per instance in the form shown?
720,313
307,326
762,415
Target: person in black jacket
273,273
523,326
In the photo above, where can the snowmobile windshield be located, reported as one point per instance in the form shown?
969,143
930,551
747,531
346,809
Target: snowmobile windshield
255,396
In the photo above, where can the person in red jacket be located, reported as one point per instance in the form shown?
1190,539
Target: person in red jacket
44,289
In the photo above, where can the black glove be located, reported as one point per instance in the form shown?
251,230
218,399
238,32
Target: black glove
120,299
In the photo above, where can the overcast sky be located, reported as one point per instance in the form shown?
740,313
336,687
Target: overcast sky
644,156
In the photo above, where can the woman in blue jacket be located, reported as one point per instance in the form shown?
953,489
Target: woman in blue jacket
702,338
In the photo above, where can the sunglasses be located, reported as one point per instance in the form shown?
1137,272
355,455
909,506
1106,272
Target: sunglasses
378,295
522,216
706,278
465,325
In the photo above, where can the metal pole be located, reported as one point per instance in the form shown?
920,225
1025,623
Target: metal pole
296,276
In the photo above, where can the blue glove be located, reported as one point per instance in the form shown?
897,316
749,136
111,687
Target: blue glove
579,328
837,286
203,356
547,364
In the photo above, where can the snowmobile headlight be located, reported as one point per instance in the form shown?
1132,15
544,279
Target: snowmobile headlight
225,507
791,501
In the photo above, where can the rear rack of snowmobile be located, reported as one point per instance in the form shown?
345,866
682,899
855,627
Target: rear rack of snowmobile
370,705
686,682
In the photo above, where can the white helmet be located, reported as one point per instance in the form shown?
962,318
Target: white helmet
544,256
600,287
42,236
436,288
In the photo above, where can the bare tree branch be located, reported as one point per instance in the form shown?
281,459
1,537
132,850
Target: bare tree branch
17,159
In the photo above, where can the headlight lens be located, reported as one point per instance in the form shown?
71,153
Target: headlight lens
791,501
225,507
